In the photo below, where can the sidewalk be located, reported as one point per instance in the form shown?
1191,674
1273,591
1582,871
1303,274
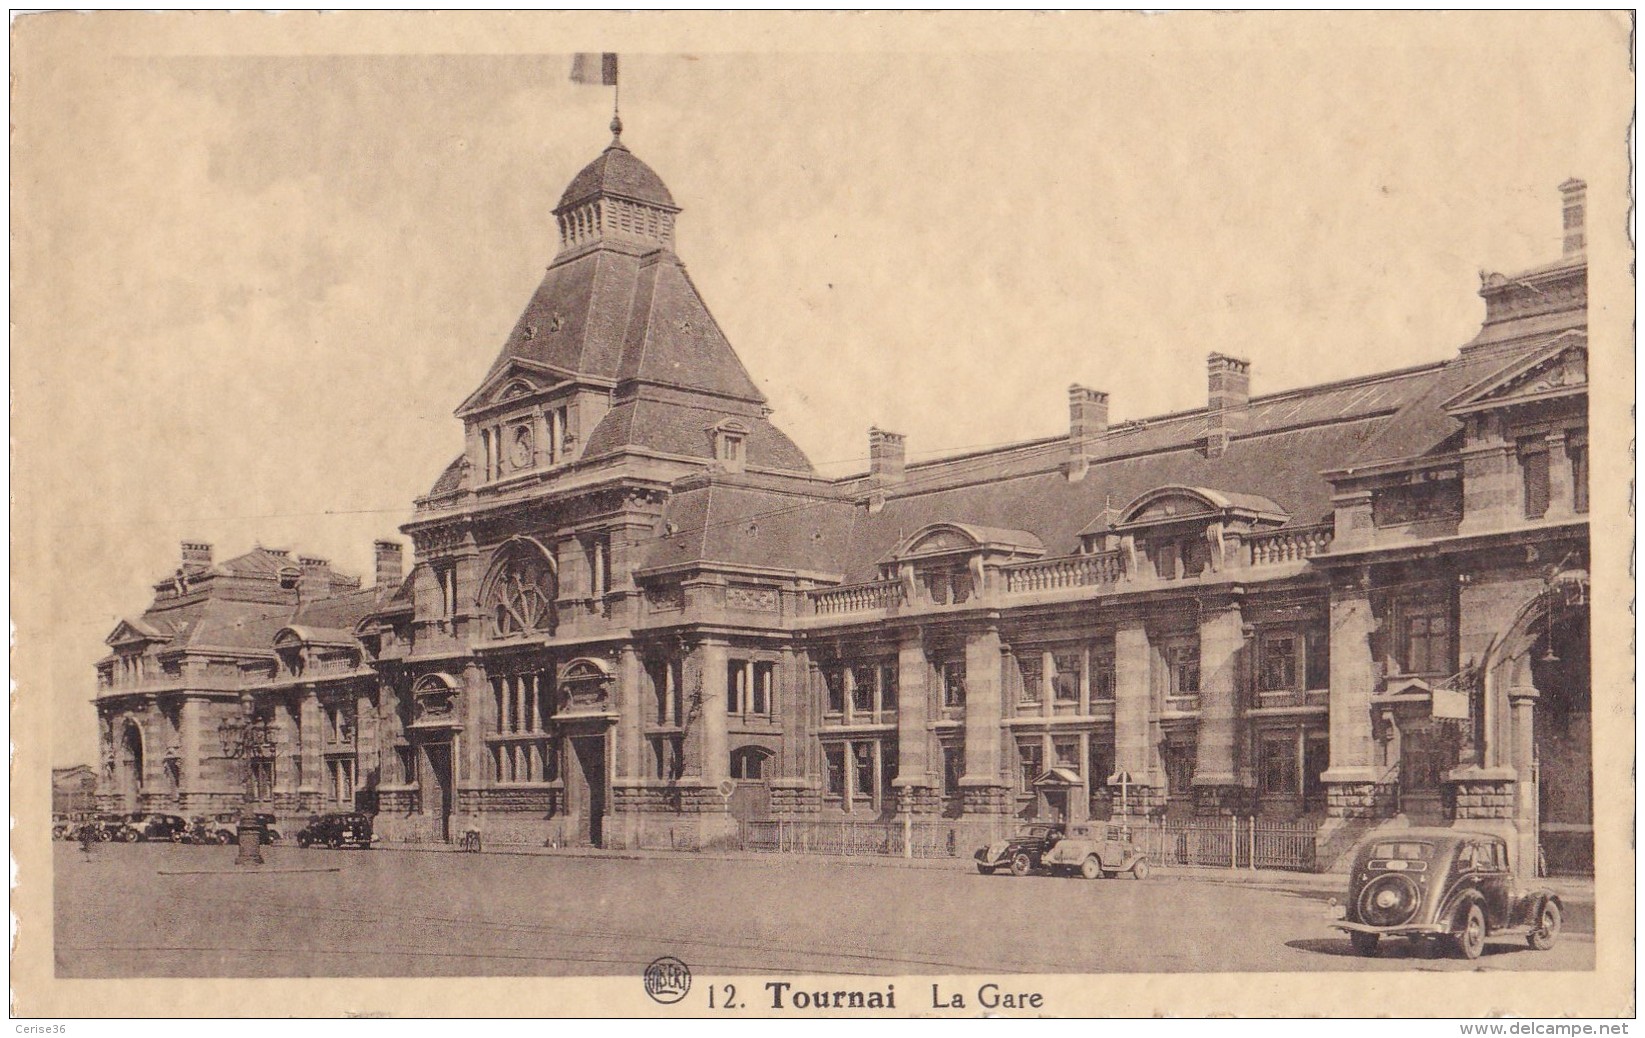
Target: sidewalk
1573,889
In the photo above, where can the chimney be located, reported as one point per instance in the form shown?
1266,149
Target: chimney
196,554
1087,421
1576,215
315,582
1228,380
887,455
390,563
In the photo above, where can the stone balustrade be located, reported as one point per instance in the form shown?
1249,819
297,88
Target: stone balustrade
1073,571
858,598
1289,545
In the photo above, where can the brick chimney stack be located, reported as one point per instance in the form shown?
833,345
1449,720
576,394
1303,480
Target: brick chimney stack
887,455
390,563
1087,422
1576,214
196,554
315,583
1228,381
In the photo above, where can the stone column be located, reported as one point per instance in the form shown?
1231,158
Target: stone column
309,732
1134,749
188,738
630,713
1216,778
1561,496
716,762
913,725
1353,680
982,708
1491,493
1522,701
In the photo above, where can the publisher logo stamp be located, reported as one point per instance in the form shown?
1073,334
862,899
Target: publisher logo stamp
667,980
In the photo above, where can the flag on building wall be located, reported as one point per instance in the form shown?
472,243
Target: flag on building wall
594,69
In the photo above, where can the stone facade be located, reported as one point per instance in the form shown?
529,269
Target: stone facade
636,617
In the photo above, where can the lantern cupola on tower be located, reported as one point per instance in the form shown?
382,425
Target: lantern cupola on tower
616,198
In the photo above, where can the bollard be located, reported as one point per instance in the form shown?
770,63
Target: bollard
249,835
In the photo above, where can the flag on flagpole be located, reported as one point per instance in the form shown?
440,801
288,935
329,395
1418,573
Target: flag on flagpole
594,69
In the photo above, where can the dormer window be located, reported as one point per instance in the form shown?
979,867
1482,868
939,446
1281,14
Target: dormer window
730,438
1183,531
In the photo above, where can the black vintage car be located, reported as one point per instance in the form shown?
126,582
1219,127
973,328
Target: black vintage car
337,829
1444,885
157,827
1021,853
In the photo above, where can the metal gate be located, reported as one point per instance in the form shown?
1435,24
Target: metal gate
1229,843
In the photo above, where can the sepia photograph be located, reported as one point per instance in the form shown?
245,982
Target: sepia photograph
858,515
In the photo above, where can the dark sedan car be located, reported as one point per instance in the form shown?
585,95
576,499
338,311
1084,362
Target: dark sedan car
1442,884
337,829
172,828
1021,853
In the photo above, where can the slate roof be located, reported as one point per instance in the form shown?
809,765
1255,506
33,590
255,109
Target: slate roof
753,526
617,172
674,428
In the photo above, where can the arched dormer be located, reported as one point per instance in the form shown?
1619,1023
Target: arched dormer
947,563
1178,531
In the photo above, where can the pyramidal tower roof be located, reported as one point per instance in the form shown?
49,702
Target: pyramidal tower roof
616,306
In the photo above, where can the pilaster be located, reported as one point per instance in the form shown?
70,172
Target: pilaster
1221,640
1134,749
913,717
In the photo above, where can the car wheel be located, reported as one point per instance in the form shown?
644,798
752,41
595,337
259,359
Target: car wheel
1091,868
1470,937
1139,870
335,843
1020,864
303,840
104,836
986,870
1364,943
1547,927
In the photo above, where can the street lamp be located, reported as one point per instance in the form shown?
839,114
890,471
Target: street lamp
244,739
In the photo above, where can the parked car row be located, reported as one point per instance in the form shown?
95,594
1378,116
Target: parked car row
1095,850
142,827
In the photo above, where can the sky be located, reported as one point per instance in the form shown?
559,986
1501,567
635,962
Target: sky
251,284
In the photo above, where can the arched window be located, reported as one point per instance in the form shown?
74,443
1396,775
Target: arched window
520,591
749,762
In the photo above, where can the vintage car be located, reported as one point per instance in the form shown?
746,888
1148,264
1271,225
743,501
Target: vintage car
99,828
336,829
1096,850
168,828
1441,884
1021,852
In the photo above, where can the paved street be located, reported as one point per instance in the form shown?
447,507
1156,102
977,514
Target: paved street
411,913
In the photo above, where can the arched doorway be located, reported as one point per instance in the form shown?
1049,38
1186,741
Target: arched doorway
131,765
1564,742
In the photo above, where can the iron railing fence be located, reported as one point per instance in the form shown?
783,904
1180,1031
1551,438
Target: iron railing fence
915,840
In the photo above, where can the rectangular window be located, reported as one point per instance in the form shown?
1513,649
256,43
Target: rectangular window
1029,665
834,686
408,764
1165,560
1182,667
1178,759
862,755
862,688
1533,467
1576,449
953,768
1102,674
665,686
888,768
1316,648
668,756
834,756
1031,761
736,687
1316,757
1277,765
1279,662
1195,554
1067,749
888,687
1425,638
764,683
953,683
1066,683
1102,760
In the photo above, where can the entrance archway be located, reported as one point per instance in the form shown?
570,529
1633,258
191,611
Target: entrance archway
131,765
1564,744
